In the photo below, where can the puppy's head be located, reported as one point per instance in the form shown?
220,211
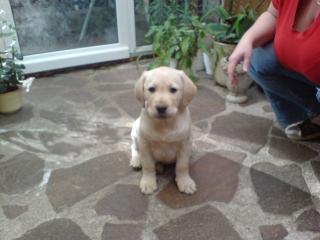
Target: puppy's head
164,92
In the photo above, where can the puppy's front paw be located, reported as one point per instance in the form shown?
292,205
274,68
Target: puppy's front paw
148,185
186,185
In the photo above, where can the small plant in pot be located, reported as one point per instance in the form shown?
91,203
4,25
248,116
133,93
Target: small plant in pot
11,72
227,34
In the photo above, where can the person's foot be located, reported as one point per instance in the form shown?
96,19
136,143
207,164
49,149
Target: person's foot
304,130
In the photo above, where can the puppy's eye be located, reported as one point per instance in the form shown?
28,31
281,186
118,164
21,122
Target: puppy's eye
173,90
152,89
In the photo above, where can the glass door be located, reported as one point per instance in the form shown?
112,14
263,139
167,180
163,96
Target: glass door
55,34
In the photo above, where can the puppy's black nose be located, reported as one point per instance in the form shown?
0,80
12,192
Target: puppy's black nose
161,110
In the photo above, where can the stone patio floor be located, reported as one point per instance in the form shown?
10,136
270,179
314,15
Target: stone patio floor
65,175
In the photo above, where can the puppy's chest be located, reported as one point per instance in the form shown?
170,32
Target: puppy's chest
164,135
164,152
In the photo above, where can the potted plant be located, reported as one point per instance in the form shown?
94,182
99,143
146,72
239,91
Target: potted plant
11,71
176,42
227,34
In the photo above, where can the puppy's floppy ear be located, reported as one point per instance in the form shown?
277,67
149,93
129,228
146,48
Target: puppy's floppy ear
189,89
139,87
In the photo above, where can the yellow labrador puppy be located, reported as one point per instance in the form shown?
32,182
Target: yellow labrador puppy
162,132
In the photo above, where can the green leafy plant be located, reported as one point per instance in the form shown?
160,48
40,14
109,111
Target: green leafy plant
11,70
179,37
159,11
232,26
229,30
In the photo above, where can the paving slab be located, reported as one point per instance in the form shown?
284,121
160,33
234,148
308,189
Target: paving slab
21,173
129,104
289,150
309,221
316,168
71,81
243,130
116,76
45,95
125,202
212,166
72,121
80,97
275,131
70,185
206,223
24,115
22,139
273,232
281,190
115,87
205,104
56,229
121,232
14,211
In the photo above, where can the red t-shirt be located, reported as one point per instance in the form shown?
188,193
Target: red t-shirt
298,51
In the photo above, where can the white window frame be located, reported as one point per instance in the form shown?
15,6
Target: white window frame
88,55
134,49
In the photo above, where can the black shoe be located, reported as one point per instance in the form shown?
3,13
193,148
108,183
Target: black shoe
304,130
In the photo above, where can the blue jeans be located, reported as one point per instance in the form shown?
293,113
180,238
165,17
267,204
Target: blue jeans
292,96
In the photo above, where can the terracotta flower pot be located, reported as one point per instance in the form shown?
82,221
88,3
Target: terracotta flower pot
11,102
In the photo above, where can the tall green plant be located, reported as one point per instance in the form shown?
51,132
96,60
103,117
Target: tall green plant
179,37
157,11
230,29
232,26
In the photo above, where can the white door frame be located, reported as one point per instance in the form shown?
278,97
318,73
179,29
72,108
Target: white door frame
81,56
134,49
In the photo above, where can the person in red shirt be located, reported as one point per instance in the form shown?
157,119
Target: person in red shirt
281,52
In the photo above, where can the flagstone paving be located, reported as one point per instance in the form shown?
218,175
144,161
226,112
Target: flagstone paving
125,202
309,221
13,211
273,232
64,168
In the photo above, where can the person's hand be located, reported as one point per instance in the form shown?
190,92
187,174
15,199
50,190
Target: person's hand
243,52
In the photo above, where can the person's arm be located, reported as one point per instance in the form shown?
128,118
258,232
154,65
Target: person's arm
260,33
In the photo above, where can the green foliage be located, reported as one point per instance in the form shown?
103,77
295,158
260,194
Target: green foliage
232,26
158,11
230,29
11,71
178,34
